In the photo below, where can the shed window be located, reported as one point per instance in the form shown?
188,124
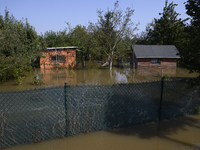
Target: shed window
60,58
155,61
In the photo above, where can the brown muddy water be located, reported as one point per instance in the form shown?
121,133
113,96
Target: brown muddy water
180,133
93,76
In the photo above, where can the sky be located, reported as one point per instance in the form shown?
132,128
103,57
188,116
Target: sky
45,15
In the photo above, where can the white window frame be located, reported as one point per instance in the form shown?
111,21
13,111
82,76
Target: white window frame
155,61
60,58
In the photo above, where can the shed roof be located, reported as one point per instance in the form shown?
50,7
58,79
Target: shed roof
63,48
69,47
156,51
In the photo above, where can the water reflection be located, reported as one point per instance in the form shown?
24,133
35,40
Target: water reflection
94,76
58,77
181,133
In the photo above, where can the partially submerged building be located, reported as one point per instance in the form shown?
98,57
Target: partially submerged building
154,56
58,56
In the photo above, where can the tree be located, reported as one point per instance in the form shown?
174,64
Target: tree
167,30
85,40
19,45
190,54
56,39
111,28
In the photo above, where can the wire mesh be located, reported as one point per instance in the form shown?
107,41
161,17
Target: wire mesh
40,114
99,107
178,99
31,115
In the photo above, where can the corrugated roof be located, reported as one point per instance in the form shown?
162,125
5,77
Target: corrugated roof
155,51
69,47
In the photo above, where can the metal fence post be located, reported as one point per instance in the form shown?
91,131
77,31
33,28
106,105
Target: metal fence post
161,97
66,108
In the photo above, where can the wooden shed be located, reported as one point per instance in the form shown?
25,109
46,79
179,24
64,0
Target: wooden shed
58,56
154,56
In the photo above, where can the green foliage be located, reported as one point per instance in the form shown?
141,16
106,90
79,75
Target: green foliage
70,71
19,80
110,38
190,53
79,36
37,79
90,65
166,76
198,109
19,44
112,28
56,39
84,39
167,30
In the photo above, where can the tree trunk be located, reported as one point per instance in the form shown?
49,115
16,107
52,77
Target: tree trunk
111,60
111,64
90,57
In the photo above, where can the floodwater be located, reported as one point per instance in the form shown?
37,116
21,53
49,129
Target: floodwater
93,76
180,133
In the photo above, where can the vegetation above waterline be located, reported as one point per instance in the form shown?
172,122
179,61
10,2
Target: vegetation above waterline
108,39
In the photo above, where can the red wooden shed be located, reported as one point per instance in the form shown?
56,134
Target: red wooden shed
59,56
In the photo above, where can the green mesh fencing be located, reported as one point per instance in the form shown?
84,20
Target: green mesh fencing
31,115
178,99
40,114
99,107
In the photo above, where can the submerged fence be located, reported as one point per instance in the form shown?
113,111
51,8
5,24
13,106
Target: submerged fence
40,114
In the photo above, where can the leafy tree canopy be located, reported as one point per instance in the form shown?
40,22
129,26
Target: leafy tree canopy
19,44
111,29
190,54
167,30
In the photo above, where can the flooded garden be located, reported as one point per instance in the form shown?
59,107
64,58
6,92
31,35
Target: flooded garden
180,133
93,75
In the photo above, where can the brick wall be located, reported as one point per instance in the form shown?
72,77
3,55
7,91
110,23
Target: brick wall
164,63
69,58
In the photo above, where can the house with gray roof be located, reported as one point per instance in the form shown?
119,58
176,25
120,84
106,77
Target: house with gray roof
154,56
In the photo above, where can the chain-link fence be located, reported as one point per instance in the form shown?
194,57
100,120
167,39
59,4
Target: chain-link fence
32,115
40,114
